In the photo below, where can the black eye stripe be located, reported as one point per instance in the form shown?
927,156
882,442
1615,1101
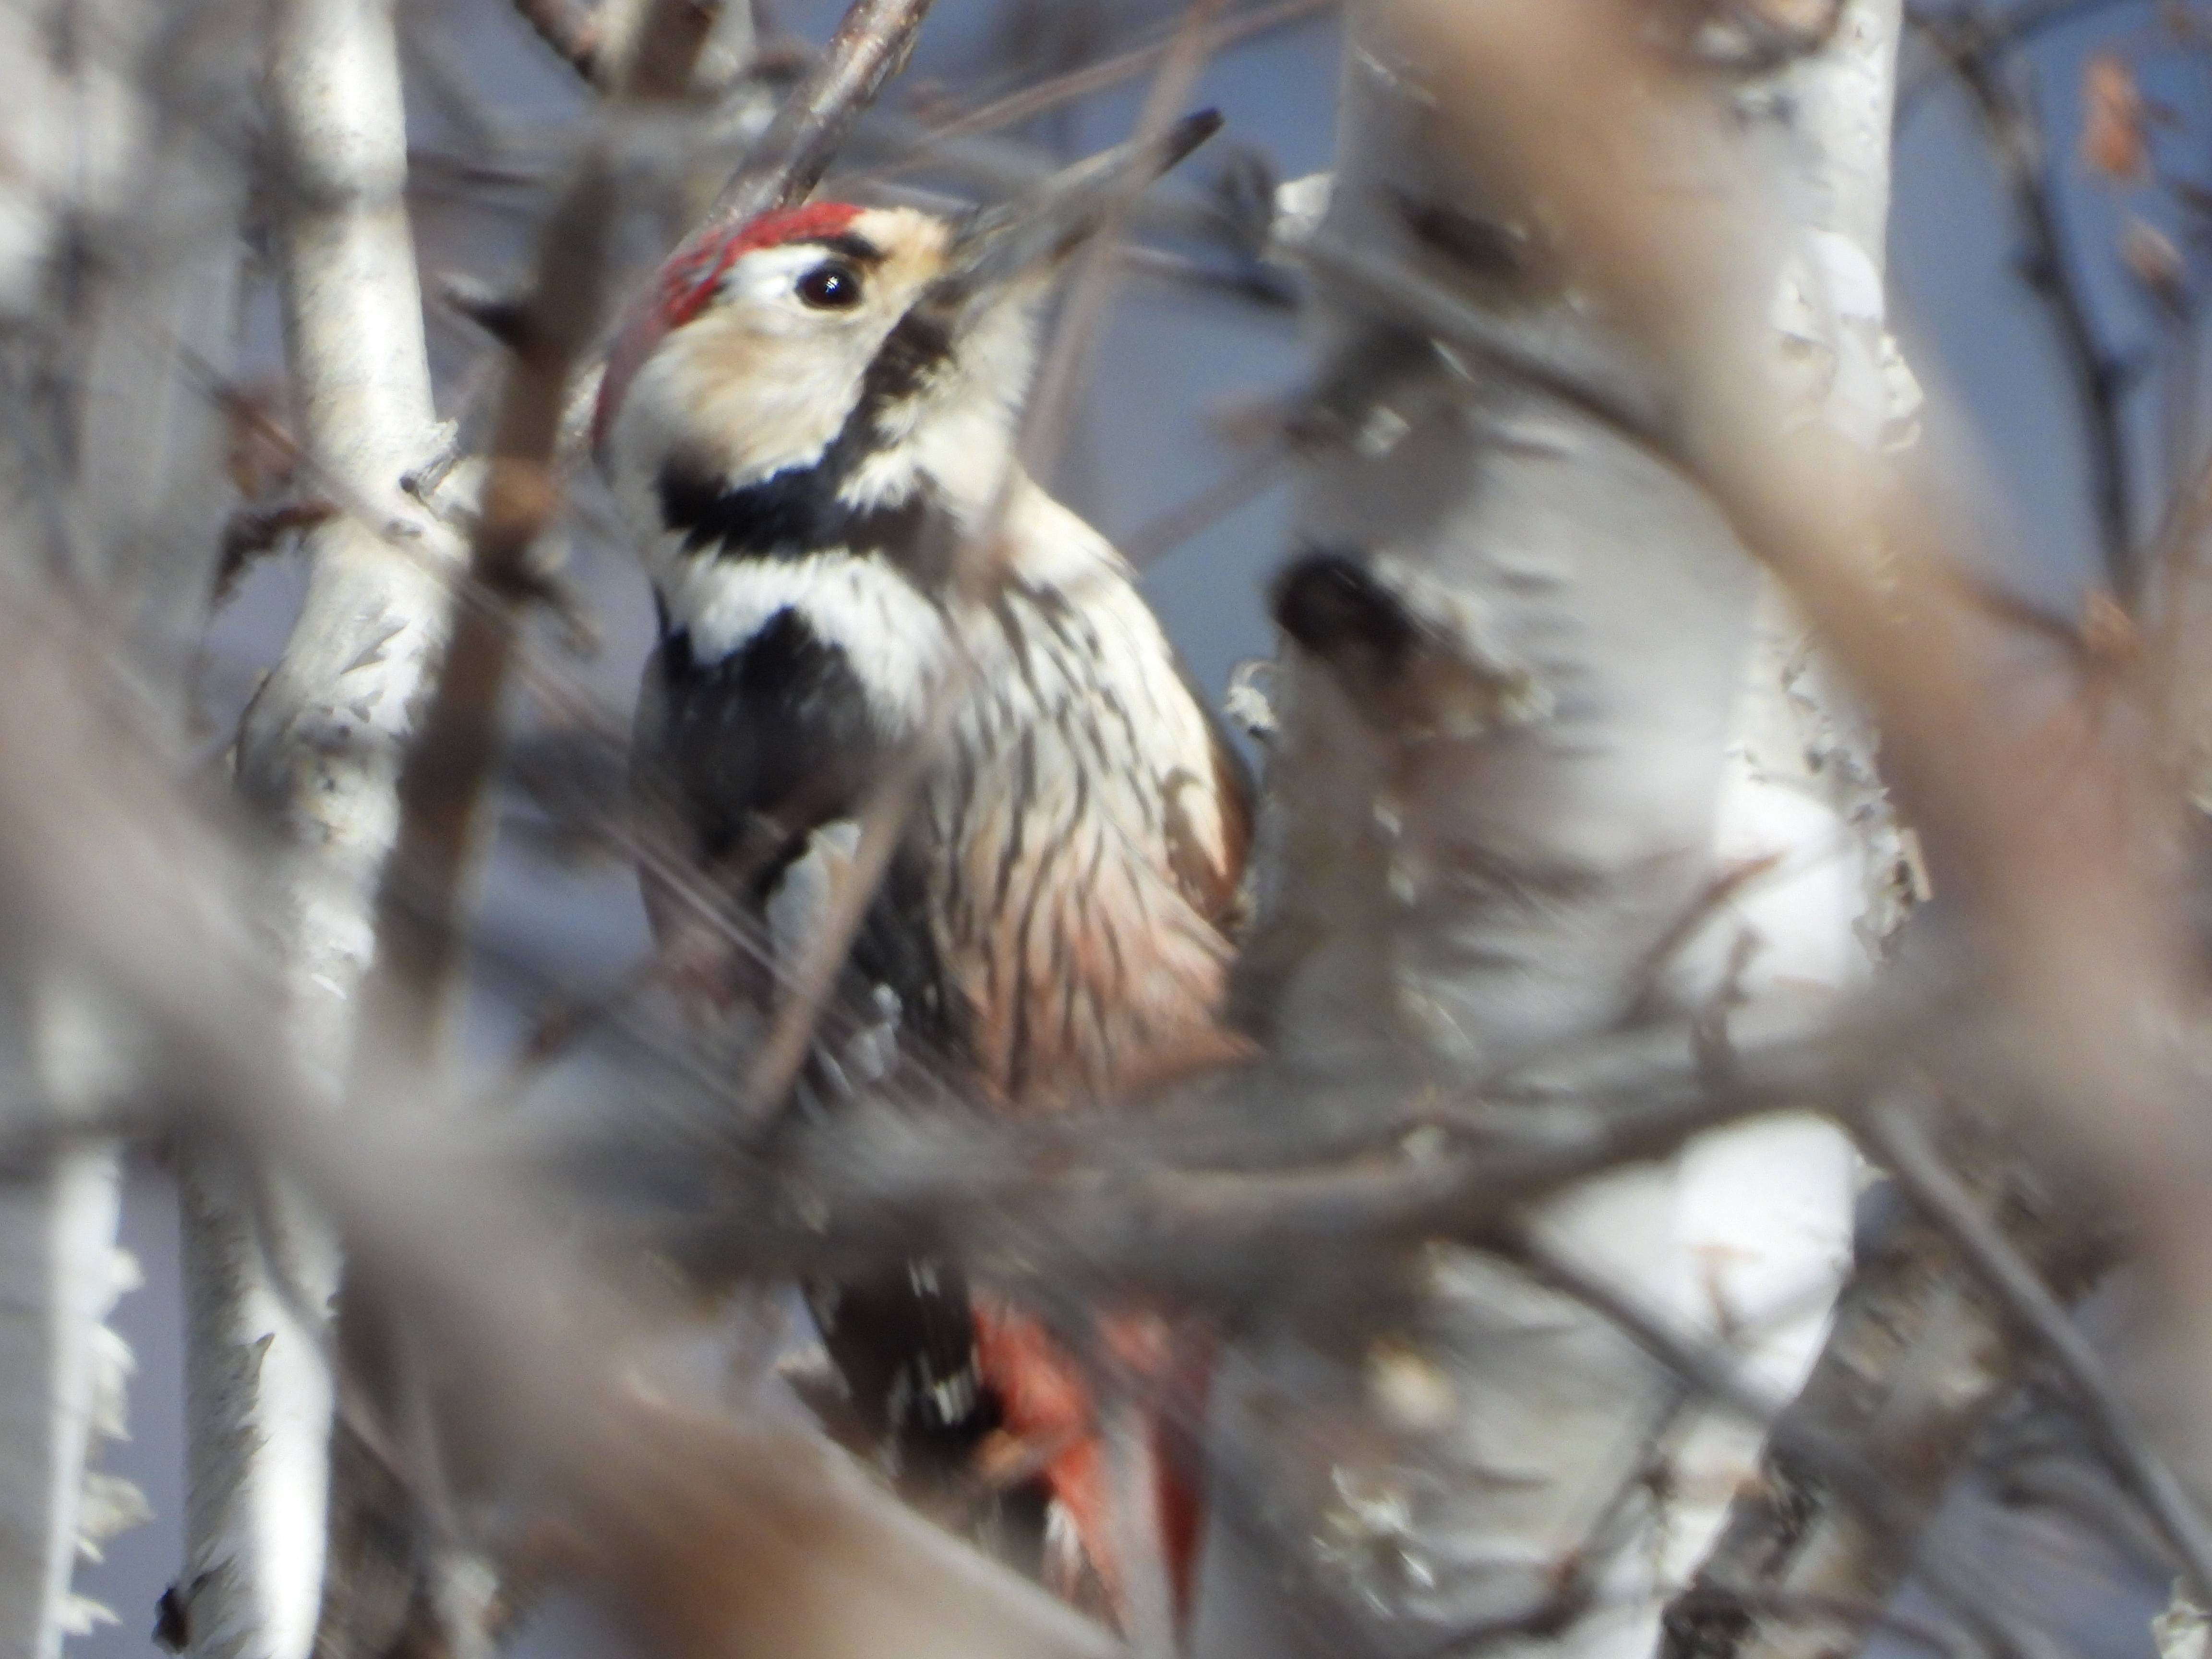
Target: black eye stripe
855,247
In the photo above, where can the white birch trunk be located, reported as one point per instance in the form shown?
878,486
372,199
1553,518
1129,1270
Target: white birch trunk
62,1370
319,753
1453,888
1763,1211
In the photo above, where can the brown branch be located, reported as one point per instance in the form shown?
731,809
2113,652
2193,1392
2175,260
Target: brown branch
418,902
657,63
1903,1145
1972,48
871,45
571,31
106,865
1182,1203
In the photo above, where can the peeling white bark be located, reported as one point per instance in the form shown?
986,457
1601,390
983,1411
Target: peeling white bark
319,754
62,1370
2182,1631
1448,900
1764,1210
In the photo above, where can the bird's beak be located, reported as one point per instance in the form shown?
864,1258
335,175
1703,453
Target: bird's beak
1001,244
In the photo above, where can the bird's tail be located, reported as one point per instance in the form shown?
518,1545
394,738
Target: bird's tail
1103,1553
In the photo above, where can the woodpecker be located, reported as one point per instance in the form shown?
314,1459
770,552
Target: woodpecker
810,431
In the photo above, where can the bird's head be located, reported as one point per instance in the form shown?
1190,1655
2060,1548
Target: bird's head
884,338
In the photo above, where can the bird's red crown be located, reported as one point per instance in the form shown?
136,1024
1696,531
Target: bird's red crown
687,282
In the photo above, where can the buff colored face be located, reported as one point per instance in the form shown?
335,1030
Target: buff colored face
764,369
766,347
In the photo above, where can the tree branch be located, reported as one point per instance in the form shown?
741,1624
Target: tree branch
570,30
871,45
1908,1373
1973,49
1838,1466
1897,1134
664,1496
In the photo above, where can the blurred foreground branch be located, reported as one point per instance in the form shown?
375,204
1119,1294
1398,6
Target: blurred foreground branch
664,1501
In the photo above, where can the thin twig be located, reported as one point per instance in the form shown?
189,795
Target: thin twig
1901,1140
1249,479
1573,1591
872,45
1127,1420
451,755
1060,90
2011,27
1121,1200
1093,285
445,767
1250,280
883,819
570,30
1715,1373
2100,378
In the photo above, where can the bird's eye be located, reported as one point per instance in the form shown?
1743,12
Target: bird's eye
830,288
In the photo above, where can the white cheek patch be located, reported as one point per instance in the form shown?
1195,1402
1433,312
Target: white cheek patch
893,640
766,283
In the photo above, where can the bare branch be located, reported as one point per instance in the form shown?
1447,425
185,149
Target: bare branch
1122,1201
2101,379
438,785
871,45
569,28
1914,1362
1897,1134
1213,39
665,1499
1714,1373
